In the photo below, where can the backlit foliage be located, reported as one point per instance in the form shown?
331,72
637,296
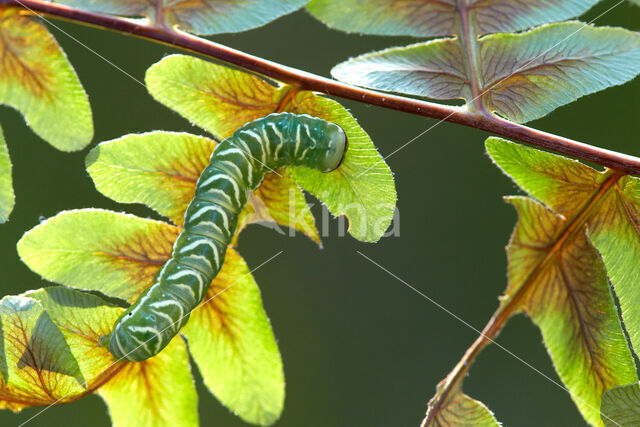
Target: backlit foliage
574,251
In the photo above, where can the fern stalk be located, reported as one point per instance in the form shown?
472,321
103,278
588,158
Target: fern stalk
308,81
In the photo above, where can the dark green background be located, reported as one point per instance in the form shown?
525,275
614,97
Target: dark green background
359,347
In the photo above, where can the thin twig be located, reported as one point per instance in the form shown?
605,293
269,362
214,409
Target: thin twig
307,81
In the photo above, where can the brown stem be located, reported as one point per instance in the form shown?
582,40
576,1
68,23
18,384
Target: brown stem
454,380
512,301
307,81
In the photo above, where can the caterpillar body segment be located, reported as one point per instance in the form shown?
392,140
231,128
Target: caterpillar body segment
237,167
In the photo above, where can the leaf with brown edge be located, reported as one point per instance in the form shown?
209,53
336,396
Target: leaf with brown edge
160,170
154,393
457,409
83,319
112,253
7,197
564,185
216,98
68,325
362,188
615,232
279,200
231,340
429,18
564,289
558,278
162,386
37,79
157,169
197,16
37,365
612,217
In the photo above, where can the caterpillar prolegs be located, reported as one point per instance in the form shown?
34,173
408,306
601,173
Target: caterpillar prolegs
238,166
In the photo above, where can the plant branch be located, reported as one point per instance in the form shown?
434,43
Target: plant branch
452,383
512,301
307,81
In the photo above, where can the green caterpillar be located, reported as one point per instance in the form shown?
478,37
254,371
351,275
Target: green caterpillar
238,166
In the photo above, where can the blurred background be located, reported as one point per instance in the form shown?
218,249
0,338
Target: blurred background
359,347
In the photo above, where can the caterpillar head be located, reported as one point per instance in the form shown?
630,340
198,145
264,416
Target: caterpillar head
336,148
131,342
139,333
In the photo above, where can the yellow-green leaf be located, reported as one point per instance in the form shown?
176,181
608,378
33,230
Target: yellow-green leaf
564,185
612,217
7,198
83,319
37,79
197,16
457,409
155,393
621,406
279,200
49,352
221,100
231,341
160,170
558,278
113,253
216,98
36,363
615,232
565,292
118,255
362,188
